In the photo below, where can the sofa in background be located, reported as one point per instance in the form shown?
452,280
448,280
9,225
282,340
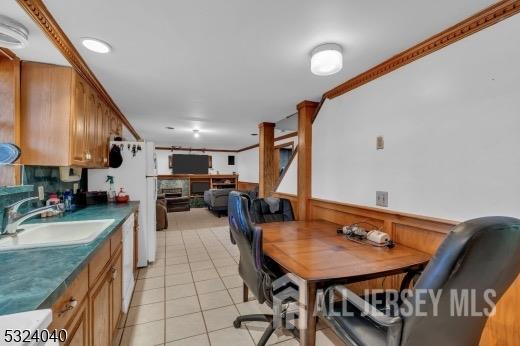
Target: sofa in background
217,200
161,213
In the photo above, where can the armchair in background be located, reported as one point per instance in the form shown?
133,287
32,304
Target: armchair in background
271,209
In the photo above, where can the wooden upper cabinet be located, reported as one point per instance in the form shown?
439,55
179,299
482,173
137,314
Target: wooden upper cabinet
64,121
79,124
46,114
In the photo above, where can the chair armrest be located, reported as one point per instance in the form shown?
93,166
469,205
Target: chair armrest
365,307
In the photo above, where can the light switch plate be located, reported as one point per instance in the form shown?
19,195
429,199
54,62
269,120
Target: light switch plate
380,143
382,198
41,193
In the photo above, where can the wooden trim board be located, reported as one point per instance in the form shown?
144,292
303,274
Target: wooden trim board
194,149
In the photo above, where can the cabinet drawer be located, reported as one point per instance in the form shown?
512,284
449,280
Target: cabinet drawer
115,241
66,307
98,262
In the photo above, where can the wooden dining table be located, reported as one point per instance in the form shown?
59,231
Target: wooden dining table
315,256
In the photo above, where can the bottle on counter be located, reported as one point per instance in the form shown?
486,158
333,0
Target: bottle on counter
122,196
67,200
111,195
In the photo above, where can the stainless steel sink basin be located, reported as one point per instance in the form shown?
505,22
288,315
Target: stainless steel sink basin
54,234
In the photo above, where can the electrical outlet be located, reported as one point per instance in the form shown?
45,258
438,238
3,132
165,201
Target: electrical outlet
41,193
382,198
75,187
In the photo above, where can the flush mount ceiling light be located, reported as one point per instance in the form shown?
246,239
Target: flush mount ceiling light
326,59
96,45
13,35
196,133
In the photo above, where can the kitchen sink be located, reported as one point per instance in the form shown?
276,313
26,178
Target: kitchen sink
54,234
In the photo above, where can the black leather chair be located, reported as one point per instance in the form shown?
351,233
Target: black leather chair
479,254
261,211
258,272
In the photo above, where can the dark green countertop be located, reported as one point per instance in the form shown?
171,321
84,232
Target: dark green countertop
34,278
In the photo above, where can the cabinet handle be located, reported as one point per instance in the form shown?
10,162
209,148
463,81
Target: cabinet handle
114,273
71,304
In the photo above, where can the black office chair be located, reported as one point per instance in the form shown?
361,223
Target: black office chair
479,254
258,272
271,210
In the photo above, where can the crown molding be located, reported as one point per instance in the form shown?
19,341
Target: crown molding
174,148
483,19
279,138
43,18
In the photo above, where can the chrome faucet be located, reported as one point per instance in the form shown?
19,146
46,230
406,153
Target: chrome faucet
12,219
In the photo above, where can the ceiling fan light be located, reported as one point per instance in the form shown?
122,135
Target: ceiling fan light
326,59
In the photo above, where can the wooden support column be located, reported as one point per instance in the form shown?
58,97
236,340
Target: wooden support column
267,179
306,111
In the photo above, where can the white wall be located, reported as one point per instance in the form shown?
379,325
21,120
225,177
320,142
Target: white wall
219,160
451,125
248,162
289,183
127,135
248,169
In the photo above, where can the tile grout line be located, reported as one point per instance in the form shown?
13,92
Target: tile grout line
200,305
227,290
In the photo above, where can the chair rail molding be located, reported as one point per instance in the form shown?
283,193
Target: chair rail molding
44,19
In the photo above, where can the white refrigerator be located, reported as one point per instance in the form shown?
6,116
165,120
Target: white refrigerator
137,175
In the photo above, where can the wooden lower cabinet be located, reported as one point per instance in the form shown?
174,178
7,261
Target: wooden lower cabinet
116,290
90,309
78,334
100,310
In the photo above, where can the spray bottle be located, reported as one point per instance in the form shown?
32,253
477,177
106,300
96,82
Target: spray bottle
111,192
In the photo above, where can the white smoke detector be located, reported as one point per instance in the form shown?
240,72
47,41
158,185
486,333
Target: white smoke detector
13,35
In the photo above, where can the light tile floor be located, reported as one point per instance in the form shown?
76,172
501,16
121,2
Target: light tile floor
192,293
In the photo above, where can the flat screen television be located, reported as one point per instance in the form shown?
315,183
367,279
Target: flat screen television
189,164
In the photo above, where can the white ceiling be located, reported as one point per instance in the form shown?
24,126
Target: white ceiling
224,66
39,48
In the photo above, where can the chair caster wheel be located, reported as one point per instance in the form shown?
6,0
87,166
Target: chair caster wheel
237,324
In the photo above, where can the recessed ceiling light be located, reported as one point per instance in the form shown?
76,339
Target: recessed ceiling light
326,59
196,133
170,128
12,34
96,45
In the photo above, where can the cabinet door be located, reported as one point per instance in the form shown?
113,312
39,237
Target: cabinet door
100,308
77,332
91,126
106,136
117,291
98,156
114,124
79,124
